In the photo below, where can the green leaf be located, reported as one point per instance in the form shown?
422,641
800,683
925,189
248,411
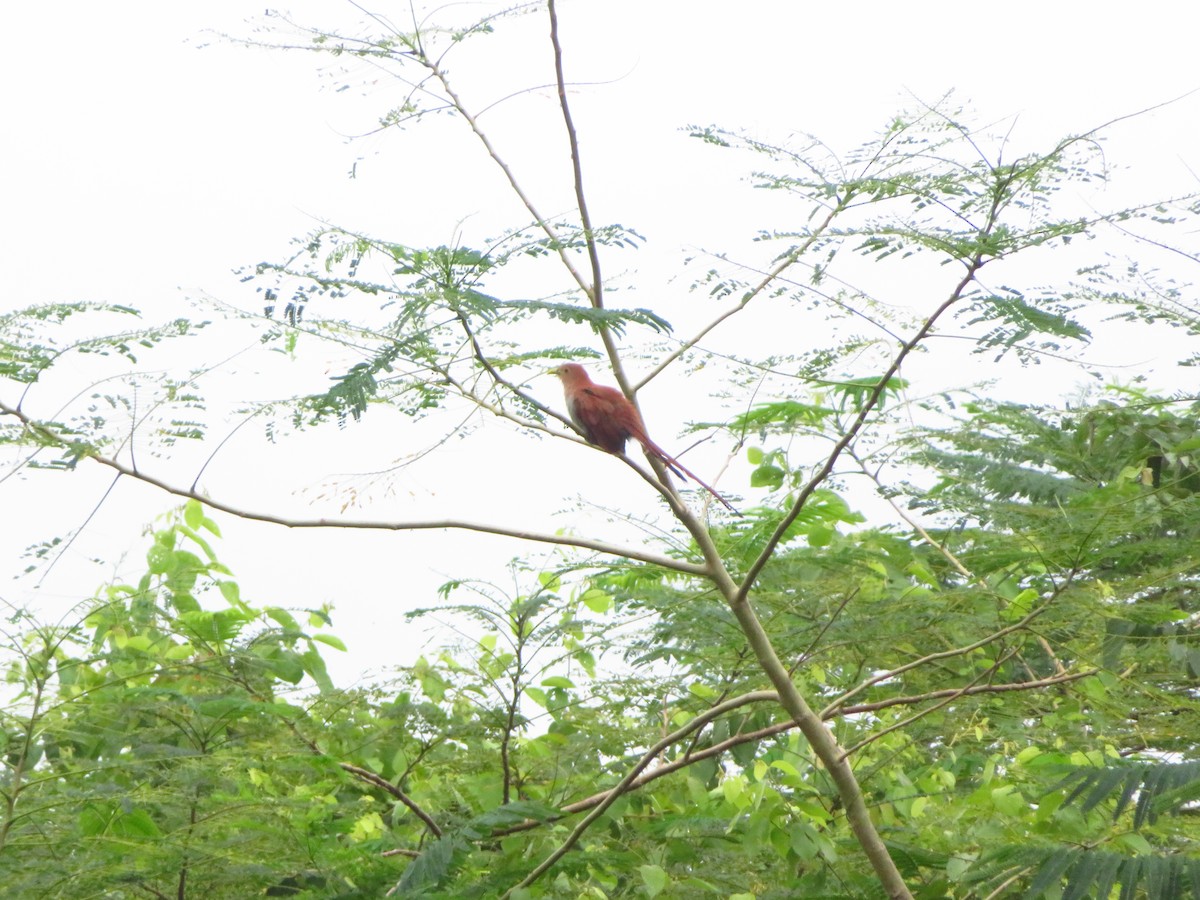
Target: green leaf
232,593
193,514
654,878
1020,606
330,640
283,617
767,476
596,600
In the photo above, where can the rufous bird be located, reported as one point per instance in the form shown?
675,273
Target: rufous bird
606,418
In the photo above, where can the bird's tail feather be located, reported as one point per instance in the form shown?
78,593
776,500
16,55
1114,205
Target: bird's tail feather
681,471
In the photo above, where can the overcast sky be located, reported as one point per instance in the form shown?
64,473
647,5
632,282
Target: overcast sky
144,158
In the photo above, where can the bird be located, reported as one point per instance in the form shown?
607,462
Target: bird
606,418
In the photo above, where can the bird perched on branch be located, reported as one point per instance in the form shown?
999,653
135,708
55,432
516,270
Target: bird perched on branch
607,419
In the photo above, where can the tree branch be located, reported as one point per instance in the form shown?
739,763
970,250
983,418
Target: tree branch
976,262
945,551
919,714
669,767
837,702
542,222
596,295
654,559
786,263
647,758
385,785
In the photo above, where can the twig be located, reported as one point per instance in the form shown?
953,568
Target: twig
766,281
942,654
682,762
920,714
526,200
829,620
945,551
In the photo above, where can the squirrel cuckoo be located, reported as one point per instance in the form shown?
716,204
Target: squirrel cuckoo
607,419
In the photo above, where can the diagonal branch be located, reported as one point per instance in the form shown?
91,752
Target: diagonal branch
596,295
976,262
647,758
542,222
383,784
838,702
768,278
921,713
477,350
943,549
682,762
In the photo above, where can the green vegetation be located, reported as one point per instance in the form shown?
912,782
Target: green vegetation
984,685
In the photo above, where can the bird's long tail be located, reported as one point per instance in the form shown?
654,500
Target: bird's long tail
680,470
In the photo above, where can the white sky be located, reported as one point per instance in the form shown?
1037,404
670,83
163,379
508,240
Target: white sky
140,167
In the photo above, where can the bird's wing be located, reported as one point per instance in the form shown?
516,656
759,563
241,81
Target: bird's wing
599,411
607,419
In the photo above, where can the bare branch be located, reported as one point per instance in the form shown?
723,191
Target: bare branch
784,264
481,527
542,222
596,295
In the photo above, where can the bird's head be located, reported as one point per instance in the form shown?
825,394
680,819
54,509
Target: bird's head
570,373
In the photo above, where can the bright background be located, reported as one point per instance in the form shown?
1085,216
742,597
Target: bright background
145,158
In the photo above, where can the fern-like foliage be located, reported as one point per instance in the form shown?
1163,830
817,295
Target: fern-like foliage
1014,322
1153,787
1072,873
439,860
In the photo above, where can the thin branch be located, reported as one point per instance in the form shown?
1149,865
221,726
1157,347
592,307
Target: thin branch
477,350
647,758
829,620
766,281
921,713
1005,885
596,294
78,531
481,527
837,702
385,785
1007,687
509,175
671,766
826,469
944,550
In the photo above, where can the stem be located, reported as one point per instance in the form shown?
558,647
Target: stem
610,797
382,783
596,294
767,280
820,738
669,767
18,774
